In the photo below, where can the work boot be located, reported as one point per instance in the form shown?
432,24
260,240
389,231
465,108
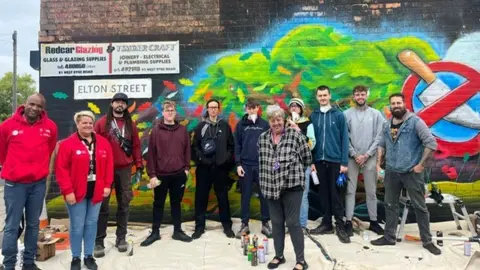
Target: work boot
99,251
76,264
322,229
243,229
121,245
267,230
198,233
154,236
229,233
341,233
349,228
90,263
382,241
181,236
376,228
432,248
32,266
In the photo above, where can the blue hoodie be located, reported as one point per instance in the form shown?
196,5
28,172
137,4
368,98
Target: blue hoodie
246,138
331,133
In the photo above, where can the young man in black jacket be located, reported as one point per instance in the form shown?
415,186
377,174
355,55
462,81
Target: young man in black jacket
247,132
213,153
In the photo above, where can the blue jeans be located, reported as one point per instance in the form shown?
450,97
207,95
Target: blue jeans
250,177
17,198
304,208
83,226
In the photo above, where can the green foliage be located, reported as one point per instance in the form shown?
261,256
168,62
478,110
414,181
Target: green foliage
318,55
26,86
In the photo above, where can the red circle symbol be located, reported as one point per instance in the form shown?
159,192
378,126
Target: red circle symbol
434,112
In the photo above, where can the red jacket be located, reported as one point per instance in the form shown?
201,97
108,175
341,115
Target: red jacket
72,166
121,159
25,149
168,150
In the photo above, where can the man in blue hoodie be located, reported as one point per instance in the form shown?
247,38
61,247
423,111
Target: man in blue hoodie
247,132
330,157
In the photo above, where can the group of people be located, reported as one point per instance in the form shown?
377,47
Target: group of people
280,154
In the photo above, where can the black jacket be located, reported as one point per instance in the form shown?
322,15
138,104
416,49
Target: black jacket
223,156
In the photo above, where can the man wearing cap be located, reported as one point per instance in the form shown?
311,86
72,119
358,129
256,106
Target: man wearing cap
247,132
302,124
118,127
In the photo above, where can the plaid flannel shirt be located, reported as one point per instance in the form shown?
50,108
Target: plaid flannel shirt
293,156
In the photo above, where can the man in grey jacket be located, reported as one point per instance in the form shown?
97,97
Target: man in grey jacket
407,144
365,125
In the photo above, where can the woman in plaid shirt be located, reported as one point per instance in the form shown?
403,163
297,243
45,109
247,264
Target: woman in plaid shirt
284,156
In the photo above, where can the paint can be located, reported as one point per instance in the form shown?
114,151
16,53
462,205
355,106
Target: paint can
467,248
254,257
261,254
439,241
265,245
249,257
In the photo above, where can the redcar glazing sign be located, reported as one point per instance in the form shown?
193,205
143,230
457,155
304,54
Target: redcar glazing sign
92,59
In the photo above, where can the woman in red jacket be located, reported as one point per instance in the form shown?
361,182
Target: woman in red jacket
84,172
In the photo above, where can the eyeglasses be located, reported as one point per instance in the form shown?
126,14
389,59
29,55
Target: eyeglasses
170,111
213,108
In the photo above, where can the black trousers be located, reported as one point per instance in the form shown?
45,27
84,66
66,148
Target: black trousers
206,176
332,197
122,184
174,185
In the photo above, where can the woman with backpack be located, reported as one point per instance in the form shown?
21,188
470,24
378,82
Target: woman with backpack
213,147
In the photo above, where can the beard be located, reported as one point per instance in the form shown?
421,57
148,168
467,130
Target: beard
119,109
399,113
360,104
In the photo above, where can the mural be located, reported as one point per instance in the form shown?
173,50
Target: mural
296,56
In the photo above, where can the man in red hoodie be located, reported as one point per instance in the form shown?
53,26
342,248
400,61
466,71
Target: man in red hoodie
118,127
167,166
27,140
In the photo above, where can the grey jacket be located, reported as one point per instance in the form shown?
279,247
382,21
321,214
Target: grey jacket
364,130
406,151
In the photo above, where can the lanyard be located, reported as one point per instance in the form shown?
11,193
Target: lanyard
116,126
91,152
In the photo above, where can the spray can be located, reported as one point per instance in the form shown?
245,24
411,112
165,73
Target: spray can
249,257
265,245
255,241
254,257
245,249
467,248
261,254
246,240
242,240
440,241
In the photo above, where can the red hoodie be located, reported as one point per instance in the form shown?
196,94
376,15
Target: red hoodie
72,166
121,160
25,148
168,150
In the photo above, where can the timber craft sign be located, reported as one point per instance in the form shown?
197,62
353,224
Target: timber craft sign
100,59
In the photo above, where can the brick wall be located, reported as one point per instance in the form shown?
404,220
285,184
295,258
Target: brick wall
232,49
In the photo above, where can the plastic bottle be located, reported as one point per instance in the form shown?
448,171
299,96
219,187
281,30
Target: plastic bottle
315,177
157,184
